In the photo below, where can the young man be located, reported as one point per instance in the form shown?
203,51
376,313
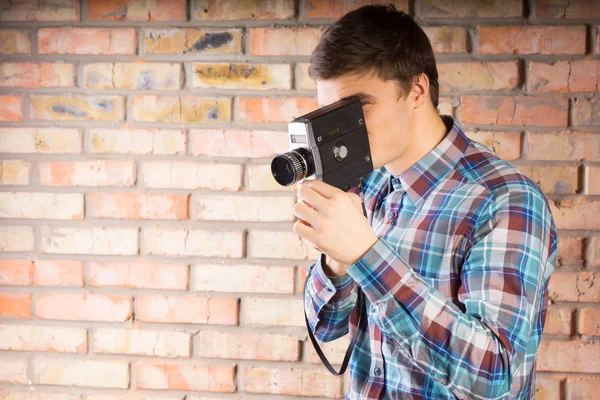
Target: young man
457,247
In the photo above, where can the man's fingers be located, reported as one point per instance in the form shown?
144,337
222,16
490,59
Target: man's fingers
304,231
311,197
321,187
306,213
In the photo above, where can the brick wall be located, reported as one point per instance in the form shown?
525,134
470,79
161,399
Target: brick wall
147,253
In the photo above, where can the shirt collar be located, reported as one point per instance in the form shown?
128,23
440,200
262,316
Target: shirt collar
426,173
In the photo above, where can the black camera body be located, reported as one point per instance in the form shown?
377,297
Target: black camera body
330,144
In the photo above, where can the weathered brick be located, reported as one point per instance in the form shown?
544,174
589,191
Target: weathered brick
188,310
138,205
137,10
14,41
142,342
592,179
86,41
553,179
594,256
40,10
192,41
247,346
570,251
295,381
565,76
581,388
40,140
260,178
138,275
136,75
547,389
130,140
447,39
67,206
16,238
57,273
303,81
192,175
43,338
181,109
13,370
242,208
120,173
106,241
87,373
287,245
284,41
334,351
36,75
242,278
566,286
586,111
569,357
478,76
241,76
83,307
532,39
446,106
280,109
279,311
514,110
16,272
15,305
200,377
579,214
466,9
333,9
11,108
558,321
130,395
14,395
506,145
589,322
14,172
219,10
563,146
236,143
75,107
177,242
567,9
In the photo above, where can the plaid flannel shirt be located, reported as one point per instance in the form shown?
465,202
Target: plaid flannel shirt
456,285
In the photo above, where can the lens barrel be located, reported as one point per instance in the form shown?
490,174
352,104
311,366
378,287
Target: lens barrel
289,168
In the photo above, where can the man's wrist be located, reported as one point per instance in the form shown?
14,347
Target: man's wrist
333,273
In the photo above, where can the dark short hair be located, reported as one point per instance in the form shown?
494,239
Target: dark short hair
379,39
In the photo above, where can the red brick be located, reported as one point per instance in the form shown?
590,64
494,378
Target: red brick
598,39
594,255
11,108
291,381
283,41
570,251
13,41
558,321
138,275
43,338
567,286
281,109
141,342
41,10
181,109
242,278
565,76
592,179
199,377
138,206
15,305
120,173
32,75
572,356
83,307
514,110
192,41
547,389
86,41
553,40
247,346
220,10
188,310
334,9
506,145
554,179
137,10
447,39
80,372
567,9
235,143
16,272
467,9
582,388
57,273
586,111
478,76
563,146
579,214
589,322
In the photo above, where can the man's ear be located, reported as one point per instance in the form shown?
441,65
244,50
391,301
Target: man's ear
420,90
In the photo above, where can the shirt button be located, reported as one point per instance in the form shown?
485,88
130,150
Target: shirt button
392,215
377,371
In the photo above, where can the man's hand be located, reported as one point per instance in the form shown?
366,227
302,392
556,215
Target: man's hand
332,221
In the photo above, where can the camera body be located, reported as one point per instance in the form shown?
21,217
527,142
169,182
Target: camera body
330,144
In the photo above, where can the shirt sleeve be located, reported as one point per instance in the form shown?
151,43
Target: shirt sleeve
328,302
477,352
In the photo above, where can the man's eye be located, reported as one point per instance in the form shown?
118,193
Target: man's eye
365,102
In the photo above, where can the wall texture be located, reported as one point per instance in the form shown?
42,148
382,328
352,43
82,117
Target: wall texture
146,252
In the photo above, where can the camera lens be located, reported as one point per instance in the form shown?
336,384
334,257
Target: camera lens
289,168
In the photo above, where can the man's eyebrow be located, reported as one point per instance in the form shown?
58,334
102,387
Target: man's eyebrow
361,96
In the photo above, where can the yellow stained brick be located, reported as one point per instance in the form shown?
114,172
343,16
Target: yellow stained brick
191,41
104,108
184,109
241,76
138,75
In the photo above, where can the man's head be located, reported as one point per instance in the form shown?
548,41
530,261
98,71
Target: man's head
383,56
